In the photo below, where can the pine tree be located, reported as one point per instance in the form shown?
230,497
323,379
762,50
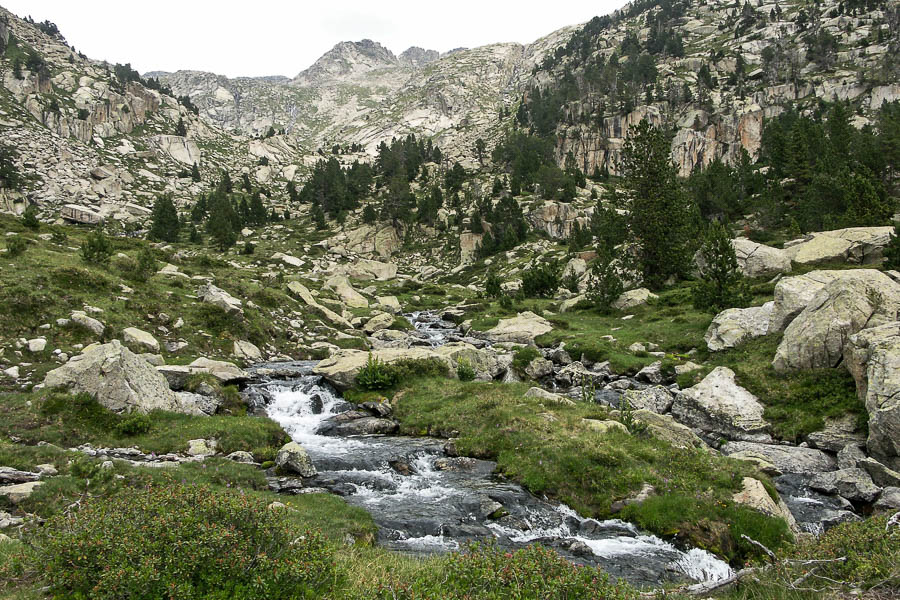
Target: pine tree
195,172
220,230
164,224
662,216
892,251
722,285
180,128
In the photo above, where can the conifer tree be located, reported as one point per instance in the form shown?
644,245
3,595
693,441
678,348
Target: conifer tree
722,285
164,224
180,128
662,216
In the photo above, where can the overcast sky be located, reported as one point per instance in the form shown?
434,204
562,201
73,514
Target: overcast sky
284,38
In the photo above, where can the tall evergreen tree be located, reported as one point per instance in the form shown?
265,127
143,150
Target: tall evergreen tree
164,224
662,216
722,285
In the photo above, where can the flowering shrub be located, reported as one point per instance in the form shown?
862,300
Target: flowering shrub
185,542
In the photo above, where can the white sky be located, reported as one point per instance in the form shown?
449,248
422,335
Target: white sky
283,38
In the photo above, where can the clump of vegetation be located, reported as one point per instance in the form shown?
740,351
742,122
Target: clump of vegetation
15,246
29,218
375,375
96,249
486,571
182,541
541,281
523,358
464,370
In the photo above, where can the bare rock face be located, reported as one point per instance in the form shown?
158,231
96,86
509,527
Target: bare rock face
793,294
119,379
855,245
786,459
734,326
873,358
815,339
349,296
179,148
719,406
759,260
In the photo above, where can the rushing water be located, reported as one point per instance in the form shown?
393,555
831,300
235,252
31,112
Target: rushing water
425,501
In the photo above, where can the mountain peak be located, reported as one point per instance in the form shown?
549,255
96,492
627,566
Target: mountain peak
348,60
415,57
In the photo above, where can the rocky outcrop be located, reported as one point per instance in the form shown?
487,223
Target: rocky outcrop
341,368
119,379
521,329
655,398
853,484
299,290
785,459
179,148
873,358
735,326
340,285
247,352
719,406
816,337
370,269
854,245
793,294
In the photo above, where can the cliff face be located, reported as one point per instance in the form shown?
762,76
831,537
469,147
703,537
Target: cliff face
740,66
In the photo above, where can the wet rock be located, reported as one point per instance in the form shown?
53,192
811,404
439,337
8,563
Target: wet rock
364,426
293,458
853,484
717,405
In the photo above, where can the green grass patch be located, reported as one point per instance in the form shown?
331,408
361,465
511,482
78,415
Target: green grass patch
565,459
70,420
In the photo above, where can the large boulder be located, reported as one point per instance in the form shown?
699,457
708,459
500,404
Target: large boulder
668,429
485,361
855,245
301,291
793,294
734,326
119,379
521,329
342,367
754,495
218,297
340,285
655,398
786,459
815,339
719,406
247,351
853,484
293,458
139,340
371,269
633,298
758,260
81,318
873,358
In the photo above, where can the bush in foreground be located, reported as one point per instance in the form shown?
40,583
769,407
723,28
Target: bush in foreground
185,542
487,572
